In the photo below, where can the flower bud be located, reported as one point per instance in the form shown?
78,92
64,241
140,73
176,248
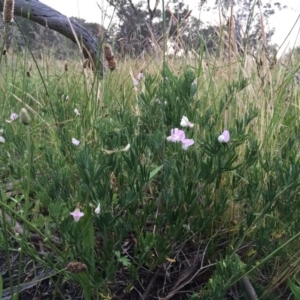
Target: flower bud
97,210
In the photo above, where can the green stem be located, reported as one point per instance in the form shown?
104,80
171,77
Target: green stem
26,211
4,41
29,154
6,239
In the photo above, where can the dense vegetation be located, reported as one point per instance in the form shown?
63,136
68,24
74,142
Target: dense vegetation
173,178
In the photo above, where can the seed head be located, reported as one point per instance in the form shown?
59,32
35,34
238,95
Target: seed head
76,267
25,118
109,56
8,11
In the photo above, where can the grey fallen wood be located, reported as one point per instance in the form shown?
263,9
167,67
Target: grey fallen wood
48,17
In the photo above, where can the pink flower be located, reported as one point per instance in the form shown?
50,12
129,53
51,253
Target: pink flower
224,137
77,214
177,135
12,117
186,143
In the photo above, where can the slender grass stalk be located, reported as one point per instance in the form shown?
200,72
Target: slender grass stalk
31,226
6,238
25,118
4,40
266,259
262,214
35,62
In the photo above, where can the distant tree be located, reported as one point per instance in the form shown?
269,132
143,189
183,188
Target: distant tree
249,19
135,24
141,25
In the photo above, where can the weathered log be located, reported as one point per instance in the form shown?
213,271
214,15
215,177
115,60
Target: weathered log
48,17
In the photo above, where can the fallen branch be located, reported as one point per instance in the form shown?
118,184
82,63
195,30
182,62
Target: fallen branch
48,17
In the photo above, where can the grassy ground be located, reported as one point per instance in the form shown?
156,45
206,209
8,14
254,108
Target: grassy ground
199,223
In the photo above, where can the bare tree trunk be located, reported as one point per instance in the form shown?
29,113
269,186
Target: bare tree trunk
48,17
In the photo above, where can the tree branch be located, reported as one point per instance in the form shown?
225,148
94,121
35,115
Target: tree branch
152,11
116,6
48,17
133,7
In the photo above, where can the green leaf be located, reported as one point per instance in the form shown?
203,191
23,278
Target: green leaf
155,171
15,296
89,241
122,259
295,289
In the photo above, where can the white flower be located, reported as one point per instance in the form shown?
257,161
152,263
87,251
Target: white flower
221,138
65,97
76,112
97,210
186,123
159,102
2,139
75,142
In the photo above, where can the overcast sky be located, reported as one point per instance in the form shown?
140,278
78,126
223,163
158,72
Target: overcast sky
94,11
